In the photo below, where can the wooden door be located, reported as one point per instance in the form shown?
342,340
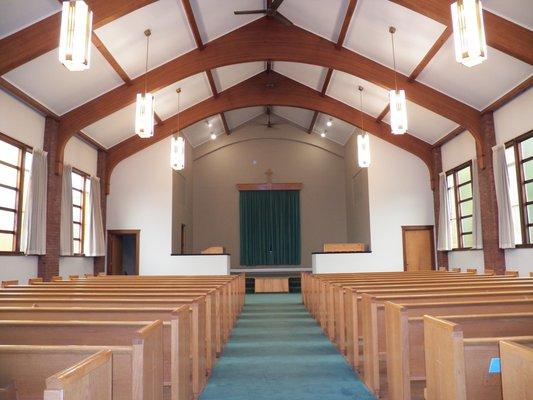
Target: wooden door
418,248
114,254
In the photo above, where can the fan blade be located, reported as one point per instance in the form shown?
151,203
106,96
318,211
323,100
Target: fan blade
275,4
250,12
282,19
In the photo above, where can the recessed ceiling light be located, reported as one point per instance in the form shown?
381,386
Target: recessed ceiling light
330,122
213,136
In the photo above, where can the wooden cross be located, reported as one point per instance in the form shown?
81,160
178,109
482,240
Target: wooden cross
269,174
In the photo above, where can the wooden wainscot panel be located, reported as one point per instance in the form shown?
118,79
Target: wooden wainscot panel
344,247
214,250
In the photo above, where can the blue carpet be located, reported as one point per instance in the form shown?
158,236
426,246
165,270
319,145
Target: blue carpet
278,352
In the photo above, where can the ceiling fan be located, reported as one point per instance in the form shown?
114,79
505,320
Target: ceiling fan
269,123
270,11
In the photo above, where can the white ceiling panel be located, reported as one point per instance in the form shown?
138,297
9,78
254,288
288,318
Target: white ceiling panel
344,87
230,75
126,41
339,132
194,89
307,74
215,18
200,133
425,124
45,79
323,18
236,118
518,11
480,85
18,14
114,128
369,34
298,116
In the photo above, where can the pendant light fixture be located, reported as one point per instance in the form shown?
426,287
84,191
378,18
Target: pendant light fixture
75,35
144,112
363,139
398,105
177,145
469,32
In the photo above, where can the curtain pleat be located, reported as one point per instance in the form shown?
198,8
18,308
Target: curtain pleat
66,234
270,227
444,237
34,220
95,241
505,211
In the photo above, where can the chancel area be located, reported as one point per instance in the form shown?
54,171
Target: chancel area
266,199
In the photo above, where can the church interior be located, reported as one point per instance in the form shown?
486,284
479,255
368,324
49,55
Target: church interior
266,199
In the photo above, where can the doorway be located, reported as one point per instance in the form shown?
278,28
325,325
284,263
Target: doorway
418,248
123,252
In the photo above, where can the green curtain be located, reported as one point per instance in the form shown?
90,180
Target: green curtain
270,227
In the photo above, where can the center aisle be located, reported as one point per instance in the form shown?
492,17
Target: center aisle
278,352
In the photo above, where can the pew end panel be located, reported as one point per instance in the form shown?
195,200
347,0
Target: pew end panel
148,358
181,362
90,379
517,370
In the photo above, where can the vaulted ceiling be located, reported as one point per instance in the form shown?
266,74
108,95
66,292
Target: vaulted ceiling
206,50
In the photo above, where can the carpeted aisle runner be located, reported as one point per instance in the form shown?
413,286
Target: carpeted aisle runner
278,352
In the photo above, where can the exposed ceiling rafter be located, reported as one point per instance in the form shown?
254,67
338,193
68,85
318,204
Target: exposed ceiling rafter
254,92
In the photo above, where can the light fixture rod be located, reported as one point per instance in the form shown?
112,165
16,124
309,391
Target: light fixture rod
361,110
147,33
392,31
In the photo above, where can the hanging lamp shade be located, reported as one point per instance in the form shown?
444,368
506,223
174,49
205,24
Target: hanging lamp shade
363,150
398,112
177,153
145,108
469,32
75,35
144,115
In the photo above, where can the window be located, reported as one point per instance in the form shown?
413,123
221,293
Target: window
459,183
519,157
80,193
15,165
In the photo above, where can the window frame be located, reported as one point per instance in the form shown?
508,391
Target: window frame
85,177
527,240
457,202
21,172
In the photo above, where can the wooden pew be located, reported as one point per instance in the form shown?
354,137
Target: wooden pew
373,322
404,336
459,350
516,370
176,334
90,379
134,376
9,283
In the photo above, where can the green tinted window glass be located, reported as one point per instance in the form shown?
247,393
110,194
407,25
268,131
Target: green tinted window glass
466,208
529,191
465,192
466,224
526,148
464,175
528,170
467,240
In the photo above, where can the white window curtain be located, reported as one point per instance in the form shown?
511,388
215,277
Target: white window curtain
444,235
477,236
33,238
94,234
501,182
66,234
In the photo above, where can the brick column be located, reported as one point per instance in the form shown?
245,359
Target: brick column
99,262
442,256
48,264
494,256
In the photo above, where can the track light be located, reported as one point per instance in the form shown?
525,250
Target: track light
209,124
329,123
213,136
323,134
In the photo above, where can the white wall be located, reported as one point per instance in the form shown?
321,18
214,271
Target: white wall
26,125
141,198
510,121
399,195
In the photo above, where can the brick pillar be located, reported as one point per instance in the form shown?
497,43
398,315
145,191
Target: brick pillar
99,262
48,264
494,256
442,256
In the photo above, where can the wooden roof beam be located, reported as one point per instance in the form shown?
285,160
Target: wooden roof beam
267,39
43,36
254,92
502,34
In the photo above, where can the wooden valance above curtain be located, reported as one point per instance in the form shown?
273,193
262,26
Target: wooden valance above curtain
241,187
